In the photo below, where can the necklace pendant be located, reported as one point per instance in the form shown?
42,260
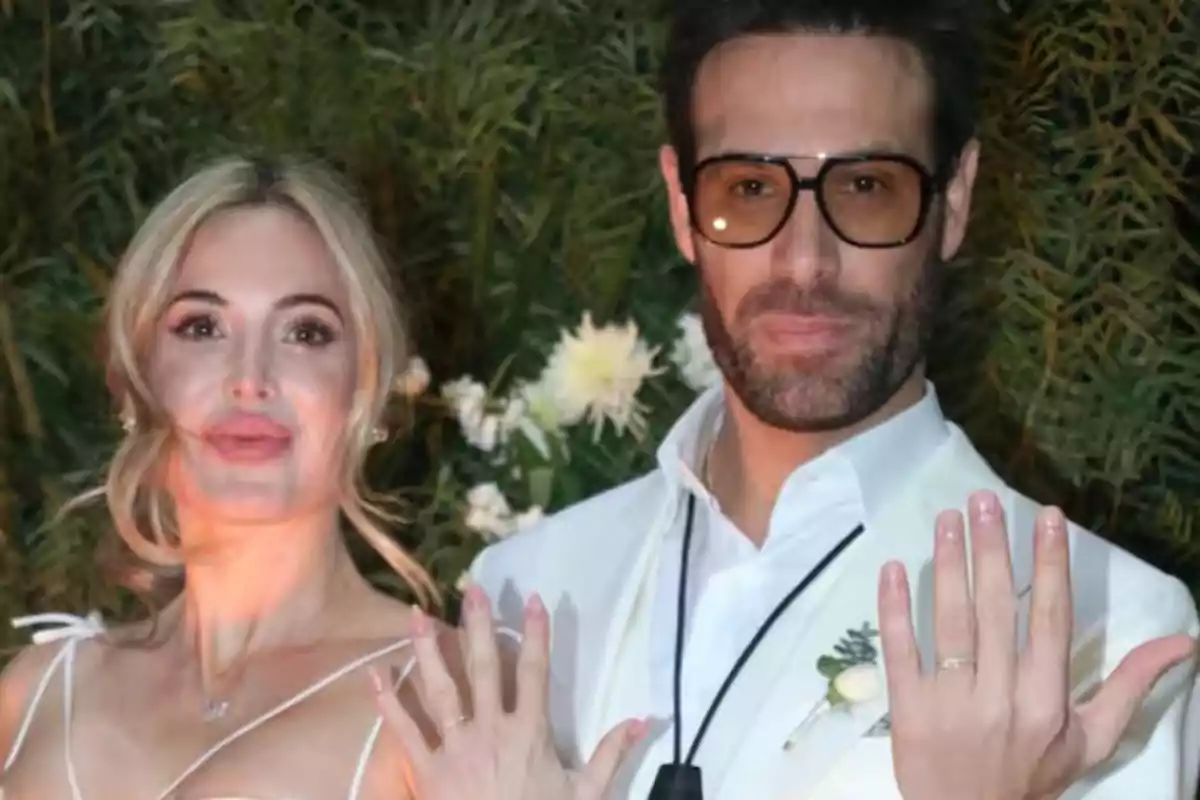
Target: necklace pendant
215,709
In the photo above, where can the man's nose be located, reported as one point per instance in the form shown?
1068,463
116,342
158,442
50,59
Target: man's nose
806,246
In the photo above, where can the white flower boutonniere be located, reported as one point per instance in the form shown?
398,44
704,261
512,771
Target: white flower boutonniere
854,677
853,669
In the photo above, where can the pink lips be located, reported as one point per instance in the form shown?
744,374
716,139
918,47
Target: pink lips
801,335
245,438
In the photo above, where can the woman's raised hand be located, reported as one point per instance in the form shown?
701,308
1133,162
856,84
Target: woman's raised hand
495,754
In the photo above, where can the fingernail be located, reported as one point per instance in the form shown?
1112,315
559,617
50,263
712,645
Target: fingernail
534,605
948,526
473,598
1053,521
638,730
984,507
893,574
421,625
376,680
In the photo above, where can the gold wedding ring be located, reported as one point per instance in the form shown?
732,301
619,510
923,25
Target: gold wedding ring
959,662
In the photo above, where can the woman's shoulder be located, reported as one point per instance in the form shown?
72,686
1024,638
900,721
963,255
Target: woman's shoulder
18,683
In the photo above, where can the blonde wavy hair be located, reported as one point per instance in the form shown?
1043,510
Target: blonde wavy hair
147,557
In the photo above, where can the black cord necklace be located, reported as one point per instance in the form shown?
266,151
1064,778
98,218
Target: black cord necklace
681,779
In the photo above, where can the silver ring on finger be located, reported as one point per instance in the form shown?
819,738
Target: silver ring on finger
454,723
955,662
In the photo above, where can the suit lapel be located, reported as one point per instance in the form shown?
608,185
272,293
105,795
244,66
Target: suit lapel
609,620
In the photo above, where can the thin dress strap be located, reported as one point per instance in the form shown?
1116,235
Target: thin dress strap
360,771
295,700
73,629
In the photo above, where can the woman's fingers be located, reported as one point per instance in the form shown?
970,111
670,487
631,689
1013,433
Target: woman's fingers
483,659
439,694
398,720
597,775
533,664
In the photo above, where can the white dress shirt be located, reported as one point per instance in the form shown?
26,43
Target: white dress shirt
732,584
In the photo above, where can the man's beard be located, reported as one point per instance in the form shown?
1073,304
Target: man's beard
826,392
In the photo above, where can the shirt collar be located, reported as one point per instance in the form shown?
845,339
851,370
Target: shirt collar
878,456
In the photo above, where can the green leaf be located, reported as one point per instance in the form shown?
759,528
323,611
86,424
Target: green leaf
830,667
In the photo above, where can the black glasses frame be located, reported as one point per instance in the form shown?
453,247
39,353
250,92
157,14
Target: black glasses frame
931,186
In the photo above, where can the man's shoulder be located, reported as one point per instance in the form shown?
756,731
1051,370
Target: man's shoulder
1097,558
594,524
1099,562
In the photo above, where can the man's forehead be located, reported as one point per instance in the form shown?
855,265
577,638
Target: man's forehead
811,94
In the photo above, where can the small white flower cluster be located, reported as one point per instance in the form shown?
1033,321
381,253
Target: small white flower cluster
692,356
484,426
592,375
489,514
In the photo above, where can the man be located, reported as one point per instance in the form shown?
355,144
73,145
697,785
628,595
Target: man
819,176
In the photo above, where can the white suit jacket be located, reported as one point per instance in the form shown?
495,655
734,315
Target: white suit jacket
589,561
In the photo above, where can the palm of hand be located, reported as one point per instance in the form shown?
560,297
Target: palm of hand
992,722
498,754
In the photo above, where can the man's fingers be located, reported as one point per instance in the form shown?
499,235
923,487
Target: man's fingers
953,612
901,658
482,656
1106,716
995,603
593,782
533,663
1048,651
400,723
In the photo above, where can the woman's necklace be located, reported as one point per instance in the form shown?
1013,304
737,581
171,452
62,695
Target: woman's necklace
214,709
215,702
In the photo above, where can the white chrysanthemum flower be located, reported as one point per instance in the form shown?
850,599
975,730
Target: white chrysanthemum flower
415,379
692,356
596,372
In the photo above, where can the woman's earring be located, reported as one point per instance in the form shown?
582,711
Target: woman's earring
379,434
128,423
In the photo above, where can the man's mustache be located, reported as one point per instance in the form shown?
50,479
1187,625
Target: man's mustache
789,297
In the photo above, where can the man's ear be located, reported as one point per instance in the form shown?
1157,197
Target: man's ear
958,200
681,224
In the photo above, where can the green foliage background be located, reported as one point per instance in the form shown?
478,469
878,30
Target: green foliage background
507,151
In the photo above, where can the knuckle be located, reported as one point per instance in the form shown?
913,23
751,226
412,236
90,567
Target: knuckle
1041,724
995,718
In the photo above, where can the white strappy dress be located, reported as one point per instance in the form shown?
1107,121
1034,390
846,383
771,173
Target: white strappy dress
72,630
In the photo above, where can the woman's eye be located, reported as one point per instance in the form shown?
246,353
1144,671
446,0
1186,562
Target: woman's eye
311,333
195,327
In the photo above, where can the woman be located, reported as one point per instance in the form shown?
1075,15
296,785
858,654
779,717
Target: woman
253,341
